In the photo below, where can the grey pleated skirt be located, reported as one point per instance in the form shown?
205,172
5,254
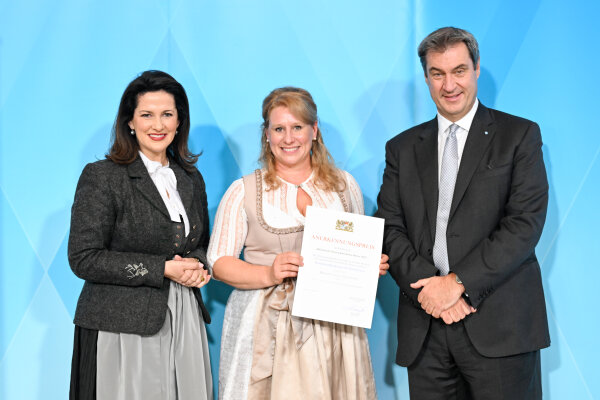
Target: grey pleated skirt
172,364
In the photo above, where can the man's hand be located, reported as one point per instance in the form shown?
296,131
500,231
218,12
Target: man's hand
438,293
457,312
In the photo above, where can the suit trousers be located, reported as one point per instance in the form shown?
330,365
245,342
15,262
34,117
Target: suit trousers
449,367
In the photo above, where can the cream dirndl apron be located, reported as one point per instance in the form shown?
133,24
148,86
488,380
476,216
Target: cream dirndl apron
298,358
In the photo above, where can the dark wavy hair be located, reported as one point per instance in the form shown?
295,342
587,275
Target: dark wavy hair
443,38
124,146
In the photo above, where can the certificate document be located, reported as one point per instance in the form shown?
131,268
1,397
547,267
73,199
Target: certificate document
338,281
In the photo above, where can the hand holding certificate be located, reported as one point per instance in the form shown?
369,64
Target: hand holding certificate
338,281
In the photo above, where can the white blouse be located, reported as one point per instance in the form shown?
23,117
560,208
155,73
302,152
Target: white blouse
279,211
165,181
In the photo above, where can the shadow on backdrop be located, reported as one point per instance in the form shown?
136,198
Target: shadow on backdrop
2,218
219,169
386,109
55,349
334,141
486,88
67,285
550,357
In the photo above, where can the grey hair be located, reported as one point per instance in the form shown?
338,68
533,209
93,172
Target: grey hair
443,38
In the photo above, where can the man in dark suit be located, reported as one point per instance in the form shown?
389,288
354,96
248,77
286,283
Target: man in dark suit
464,198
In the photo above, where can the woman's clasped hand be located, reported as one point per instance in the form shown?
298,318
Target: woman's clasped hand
187,272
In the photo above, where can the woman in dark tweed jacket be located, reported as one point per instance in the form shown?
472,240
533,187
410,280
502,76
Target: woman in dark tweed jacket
139,232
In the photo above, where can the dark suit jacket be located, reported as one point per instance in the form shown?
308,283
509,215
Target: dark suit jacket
121,235
496,218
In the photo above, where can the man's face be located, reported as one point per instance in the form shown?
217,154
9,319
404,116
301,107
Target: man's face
452,80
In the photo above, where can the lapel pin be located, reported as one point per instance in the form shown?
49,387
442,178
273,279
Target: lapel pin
485,133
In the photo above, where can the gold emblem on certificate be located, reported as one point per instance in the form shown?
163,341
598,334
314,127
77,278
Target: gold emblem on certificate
342,225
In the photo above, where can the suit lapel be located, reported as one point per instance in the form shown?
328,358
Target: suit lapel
480,136
143,183
185,186
427,163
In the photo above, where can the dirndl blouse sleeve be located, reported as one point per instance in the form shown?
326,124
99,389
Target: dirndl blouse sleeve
230,227
356,197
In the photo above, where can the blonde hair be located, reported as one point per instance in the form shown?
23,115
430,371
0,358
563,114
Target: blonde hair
301,104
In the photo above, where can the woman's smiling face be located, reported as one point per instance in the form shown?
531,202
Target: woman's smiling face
290,139
155,122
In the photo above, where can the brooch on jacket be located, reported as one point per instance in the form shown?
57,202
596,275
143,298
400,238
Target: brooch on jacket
136,270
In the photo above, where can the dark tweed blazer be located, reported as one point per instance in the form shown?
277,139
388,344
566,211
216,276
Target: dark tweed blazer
121,235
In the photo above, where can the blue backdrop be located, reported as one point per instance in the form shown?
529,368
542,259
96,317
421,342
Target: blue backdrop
65,63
